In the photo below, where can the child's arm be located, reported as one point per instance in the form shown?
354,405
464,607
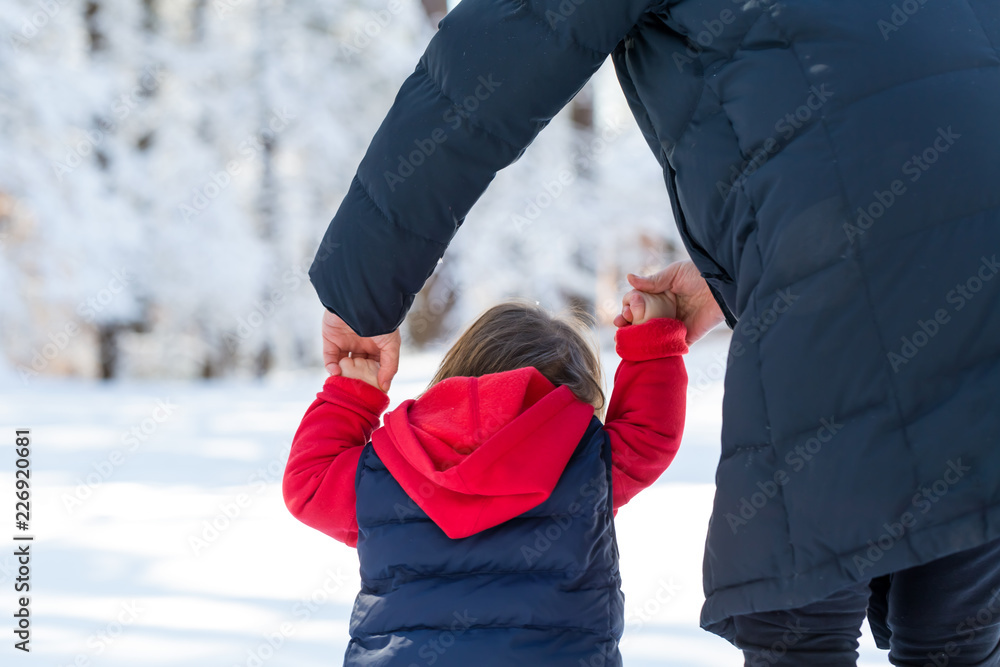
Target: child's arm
319,478
646,415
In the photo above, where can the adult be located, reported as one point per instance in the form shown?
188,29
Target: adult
833,172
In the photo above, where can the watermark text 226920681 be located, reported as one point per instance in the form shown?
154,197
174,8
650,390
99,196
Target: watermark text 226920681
22,519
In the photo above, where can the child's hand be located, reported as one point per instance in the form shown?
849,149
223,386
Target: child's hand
361,368
640,307
696,304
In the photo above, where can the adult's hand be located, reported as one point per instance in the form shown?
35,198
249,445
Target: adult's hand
340,341
696,306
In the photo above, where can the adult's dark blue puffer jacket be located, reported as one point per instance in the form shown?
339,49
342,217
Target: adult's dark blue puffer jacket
834,168
542,588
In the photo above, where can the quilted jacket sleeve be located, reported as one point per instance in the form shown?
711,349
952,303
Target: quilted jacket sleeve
492,77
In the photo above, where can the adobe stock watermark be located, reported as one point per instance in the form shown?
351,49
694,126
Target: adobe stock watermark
754,329
90,308
490,425
58,340
785,127
303,610
229,512
639,615
984,619
263,309
445,291
592,494
268,646
636,617
794,632
35,22
121,109
703,39
562,12
712,373
922,502
553,188
899,17
224,7
914,168
218,181
453,117
365,35
105,468
433,649
796,460
957,297
325,251
102,639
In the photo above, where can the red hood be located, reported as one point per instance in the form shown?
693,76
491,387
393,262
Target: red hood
475,452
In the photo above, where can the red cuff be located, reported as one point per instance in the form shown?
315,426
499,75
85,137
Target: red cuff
655,339
341,390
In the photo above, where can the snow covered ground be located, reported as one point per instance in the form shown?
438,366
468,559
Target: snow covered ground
178,550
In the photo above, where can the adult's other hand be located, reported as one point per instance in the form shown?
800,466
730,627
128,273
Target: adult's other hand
340,341
696,306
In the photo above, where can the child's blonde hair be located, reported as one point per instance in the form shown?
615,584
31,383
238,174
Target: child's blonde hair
519,334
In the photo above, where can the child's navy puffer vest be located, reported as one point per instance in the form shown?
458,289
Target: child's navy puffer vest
542,589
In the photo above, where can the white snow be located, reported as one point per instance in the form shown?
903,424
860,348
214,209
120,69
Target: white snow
118,581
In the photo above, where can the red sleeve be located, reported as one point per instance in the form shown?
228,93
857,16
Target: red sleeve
646,415
319,478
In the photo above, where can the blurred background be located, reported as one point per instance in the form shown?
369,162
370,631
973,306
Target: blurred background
167,170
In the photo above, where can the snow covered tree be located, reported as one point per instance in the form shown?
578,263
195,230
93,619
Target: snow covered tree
167,170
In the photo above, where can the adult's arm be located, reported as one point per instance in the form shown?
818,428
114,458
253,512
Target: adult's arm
492,77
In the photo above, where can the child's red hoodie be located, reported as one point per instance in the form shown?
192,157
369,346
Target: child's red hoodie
490,448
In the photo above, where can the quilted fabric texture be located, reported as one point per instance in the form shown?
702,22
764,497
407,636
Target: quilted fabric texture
833,171
470,594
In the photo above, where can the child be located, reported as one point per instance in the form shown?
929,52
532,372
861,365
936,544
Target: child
482,511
